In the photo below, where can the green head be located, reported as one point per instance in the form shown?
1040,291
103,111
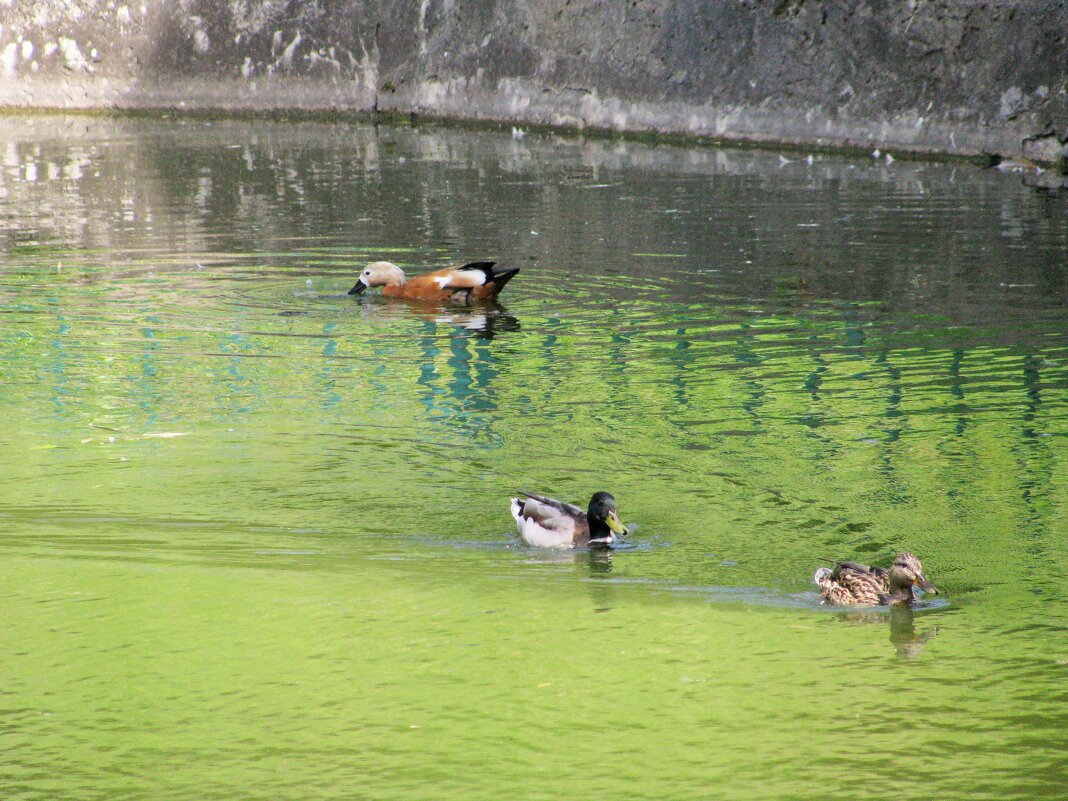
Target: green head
604,519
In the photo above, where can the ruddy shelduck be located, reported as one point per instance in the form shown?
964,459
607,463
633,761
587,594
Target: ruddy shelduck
472,282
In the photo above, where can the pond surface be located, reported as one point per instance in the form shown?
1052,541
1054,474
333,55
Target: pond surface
254,533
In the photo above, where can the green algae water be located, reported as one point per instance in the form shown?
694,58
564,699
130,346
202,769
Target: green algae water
254,533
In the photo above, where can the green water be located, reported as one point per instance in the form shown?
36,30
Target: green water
254,533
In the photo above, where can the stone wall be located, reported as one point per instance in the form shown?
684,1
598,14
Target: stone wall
956,76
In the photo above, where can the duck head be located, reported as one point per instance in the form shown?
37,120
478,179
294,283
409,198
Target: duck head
906,574
604,519
378,273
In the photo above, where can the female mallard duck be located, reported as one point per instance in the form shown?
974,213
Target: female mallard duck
471,282
854,584
547,523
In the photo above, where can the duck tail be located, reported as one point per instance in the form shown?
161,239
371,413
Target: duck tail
502,278
822,577
498,279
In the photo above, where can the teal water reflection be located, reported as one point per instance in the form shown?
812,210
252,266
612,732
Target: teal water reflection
255,531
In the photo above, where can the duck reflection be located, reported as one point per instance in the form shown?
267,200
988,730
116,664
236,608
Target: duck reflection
485,321
907,642
903,634
599,561
587,561
482,323
603,592
591,563
456,365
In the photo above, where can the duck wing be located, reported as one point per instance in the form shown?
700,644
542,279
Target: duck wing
844,568
547,523
864,583
469,276
484,267
566,508
470,282
495,279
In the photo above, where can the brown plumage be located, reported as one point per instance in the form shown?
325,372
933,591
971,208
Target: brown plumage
470,283
854,584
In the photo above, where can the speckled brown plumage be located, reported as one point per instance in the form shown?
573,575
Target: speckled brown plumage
854,584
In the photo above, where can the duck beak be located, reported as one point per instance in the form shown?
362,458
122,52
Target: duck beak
616,524
925,585
360,287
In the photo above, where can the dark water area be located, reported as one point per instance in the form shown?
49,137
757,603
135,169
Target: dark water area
255,532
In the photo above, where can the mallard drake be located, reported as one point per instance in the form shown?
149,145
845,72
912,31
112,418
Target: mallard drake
548,523
471,282
854,584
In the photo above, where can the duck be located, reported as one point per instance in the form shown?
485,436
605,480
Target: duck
548,523
854,584
474,281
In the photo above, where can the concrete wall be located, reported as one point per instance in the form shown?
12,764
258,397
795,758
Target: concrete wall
953,76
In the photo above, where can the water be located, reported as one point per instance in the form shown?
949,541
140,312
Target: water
255,532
